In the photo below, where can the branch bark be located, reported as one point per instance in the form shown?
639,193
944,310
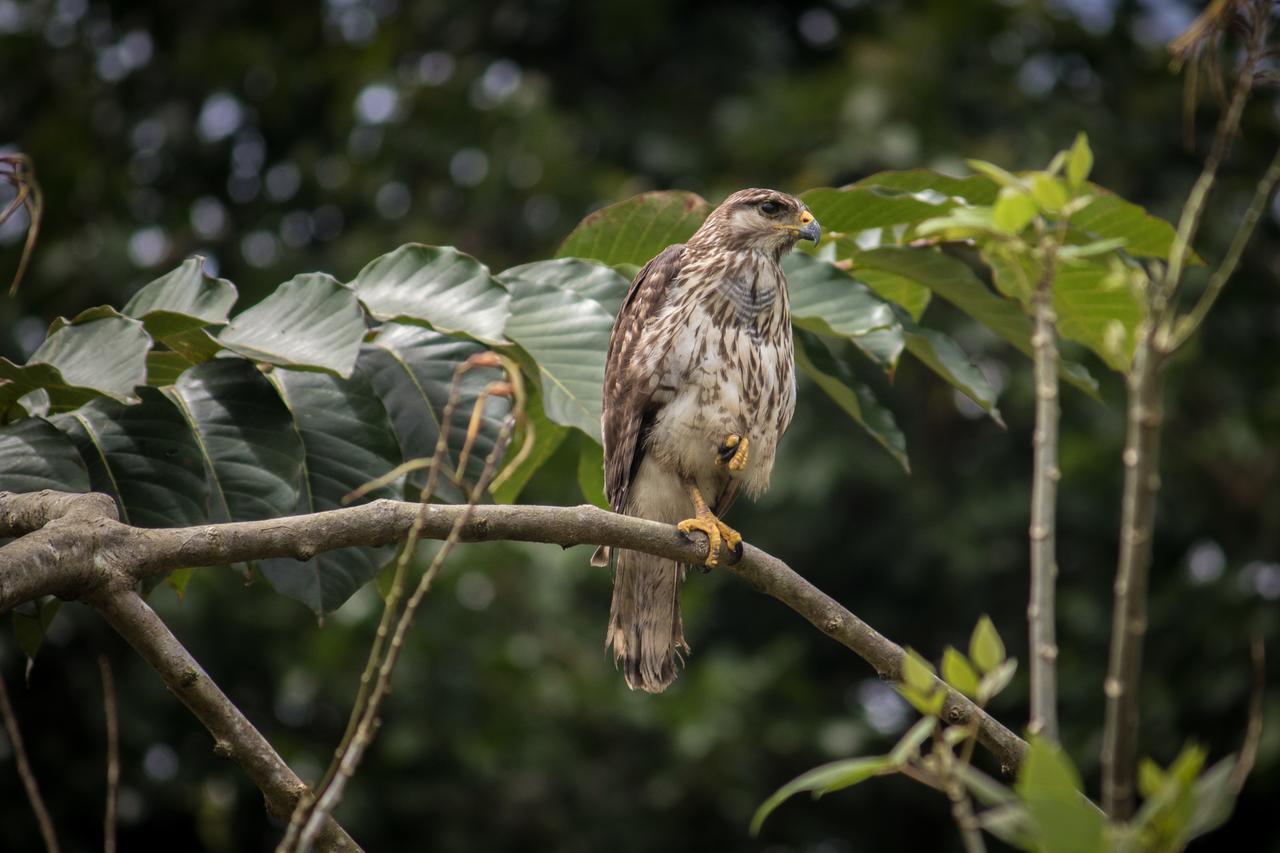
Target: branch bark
132,553
234,736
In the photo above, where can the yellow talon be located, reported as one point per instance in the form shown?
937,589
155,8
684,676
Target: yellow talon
716,531
734,452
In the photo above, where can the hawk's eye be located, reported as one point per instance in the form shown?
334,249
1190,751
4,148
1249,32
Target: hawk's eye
770,208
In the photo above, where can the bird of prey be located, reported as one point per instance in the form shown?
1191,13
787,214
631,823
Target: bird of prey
699,386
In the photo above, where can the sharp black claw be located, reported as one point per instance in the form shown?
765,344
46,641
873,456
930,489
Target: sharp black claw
726,453
736,554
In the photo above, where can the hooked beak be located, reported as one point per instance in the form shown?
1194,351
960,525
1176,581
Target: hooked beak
809,228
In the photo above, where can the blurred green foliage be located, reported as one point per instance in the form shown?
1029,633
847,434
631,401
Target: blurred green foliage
280,139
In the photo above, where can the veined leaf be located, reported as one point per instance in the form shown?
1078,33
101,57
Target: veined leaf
857,208
955,282
911,295
348,441
1110,217
856,399
412,368
973,189
1097,306
100,353
181,300
820,780
567,335
635,230
245,434
944,357
437,285
592,280
142,455
35,455
310,322
827,300
164,367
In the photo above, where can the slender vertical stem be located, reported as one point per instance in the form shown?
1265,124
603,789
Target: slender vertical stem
1129,619
1044,498
25,772
113,754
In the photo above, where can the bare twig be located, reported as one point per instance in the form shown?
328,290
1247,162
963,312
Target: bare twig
113,754
24,770
1044,498
18,171
328,797
1187,325
234,736
1142,461
1253,729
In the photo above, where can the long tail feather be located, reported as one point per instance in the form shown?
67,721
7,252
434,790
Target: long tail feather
645,629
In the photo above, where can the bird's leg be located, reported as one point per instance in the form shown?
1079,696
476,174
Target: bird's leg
716,531
733,452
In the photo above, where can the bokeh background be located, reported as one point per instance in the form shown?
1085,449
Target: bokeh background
278,137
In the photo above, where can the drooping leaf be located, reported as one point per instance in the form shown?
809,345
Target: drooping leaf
437,285
311,322
412,369
908,746
183,299
35,455
245,434
955,282
164,367
1097,307
348,441
814,361
567,336
910,295
827,300
144,456
858,208
820,780
636,229
1215,798
1110,217
1050,788
974,189
945,357
547,436
97,354
591,472
31,621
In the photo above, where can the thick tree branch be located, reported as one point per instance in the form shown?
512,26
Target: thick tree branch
134,553
234,736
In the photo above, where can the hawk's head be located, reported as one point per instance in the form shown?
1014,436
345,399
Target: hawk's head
766,220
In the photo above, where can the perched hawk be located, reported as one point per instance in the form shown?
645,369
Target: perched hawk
698,388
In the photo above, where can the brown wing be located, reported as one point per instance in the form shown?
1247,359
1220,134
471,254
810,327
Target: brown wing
629,374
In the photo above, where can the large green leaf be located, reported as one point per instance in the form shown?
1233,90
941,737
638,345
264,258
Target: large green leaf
245,434
437,285
567,336
637,229
1050,787
100,353
142,455
814,361
310,322
1098,308
1110,217
945,357
974,189
35,455
412,369
593,280
183,299
955,282
348,441
547,436
829,301
859,208
911,295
